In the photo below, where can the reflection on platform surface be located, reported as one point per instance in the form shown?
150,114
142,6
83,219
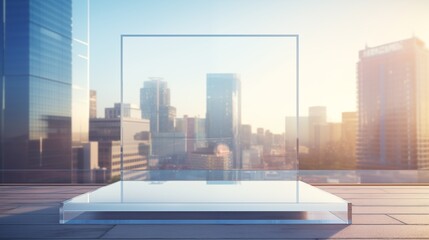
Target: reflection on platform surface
193,202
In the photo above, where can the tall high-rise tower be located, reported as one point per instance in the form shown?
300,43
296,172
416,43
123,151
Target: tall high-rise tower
223,118
393,104
155,105
36,87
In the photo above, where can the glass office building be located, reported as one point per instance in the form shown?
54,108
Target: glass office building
155,105
223,118
393,102
36,88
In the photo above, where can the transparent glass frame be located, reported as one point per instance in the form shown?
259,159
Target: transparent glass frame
195,197
295,37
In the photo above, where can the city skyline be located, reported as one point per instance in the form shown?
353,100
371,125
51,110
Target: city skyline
264,64
219,83
327,60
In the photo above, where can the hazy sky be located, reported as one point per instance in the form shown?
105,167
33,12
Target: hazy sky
265,65
331,34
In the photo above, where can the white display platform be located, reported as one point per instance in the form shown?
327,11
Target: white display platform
206,202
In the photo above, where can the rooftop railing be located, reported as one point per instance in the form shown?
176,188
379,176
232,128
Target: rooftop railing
325,177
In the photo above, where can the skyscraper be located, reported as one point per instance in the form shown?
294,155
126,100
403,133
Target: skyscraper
155,105
44,84
393,104
223,116
36,83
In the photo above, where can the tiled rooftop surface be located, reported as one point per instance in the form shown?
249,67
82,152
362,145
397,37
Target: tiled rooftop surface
379,212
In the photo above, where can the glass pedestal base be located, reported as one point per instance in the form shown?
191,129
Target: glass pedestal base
206,202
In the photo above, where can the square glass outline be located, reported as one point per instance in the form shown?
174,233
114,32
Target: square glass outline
295,36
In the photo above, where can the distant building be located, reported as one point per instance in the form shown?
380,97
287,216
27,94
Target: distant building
92,104
168,145
278,140
88,164
252,158
393,105
136,149
194,129
246,136
291,131
349,131
335,131
316,116
260,136
326,133
254,139
167,114
130,111
268,141
155,105
223,117
218,157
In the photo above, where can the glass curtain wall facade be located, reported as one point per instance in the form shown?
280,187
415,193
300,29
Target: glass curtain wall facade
155,105
393,102
2,12
223,118
36,90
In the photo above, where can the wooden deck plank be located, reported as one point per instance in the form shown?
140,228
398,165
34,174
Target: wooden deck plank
379,186
390,202
413,219
405,190
390,210
383,196
35,210
381,219
29,219
28,201
53,231
268,231
359,190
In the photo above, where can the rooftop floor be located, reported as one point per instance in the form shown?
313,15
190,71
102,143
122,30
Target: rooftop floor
379,212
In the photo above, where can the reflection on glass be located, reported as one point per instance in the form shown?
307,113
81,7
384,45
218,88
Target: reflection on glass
218,84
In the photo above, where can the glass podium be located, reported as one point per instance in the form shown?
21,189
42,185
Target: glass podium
207,202
208,132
